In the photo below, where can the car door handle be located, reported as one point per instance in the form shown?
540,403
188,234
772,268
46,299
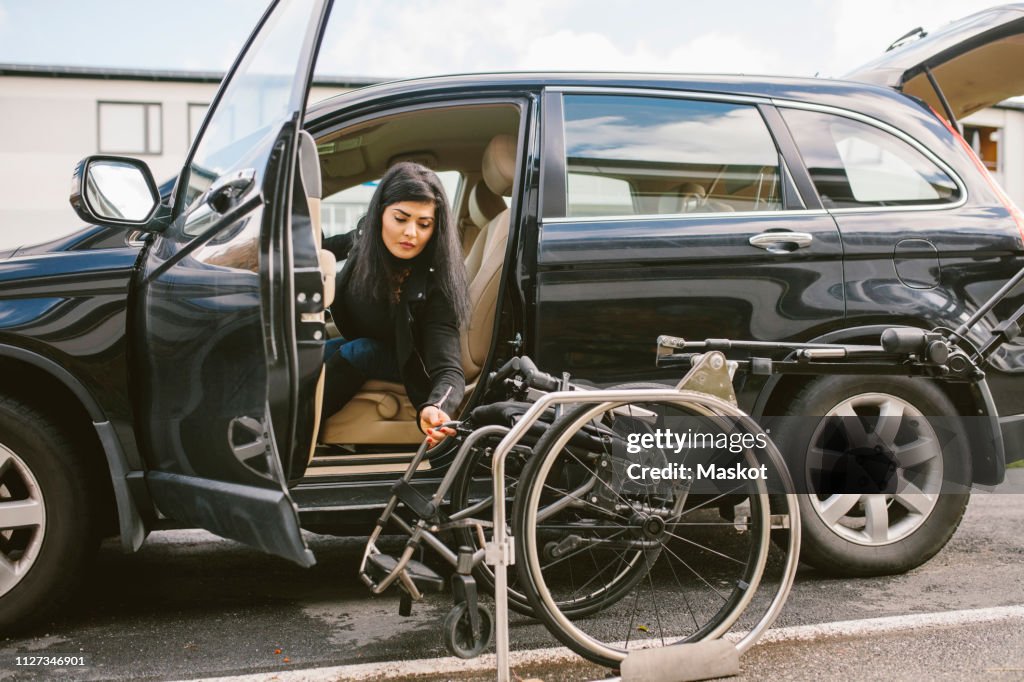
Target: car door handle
781,242
224,193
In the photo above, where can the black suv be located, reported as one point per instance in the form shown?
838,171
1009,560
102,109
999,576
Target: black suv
161,367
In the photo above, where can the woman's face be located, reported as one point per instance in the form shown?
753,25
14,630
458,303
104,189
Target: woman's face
407,228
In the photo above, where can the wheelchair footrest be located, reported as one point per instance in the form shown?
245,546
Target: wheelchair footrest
414,500
382,565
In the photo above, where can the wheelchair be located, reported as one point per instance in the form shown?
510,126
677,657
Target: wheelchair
609,562
639,516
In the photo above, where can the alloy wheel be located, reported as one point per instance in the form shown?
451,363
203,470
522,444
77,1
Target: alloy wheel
22,519
875,469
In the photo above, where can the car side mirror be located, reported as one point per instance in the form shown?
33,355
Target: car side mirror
114,190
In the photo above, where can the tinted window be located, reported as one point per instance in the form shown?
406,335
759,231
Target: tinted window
599,195
653,155
855,164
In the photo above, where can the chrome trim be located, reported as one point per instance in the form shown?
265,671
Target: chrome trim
892,130
678,216
766,240
657,92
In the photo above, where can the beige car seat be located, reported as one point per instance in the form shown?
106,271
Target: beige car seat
484,261
484,206
381,411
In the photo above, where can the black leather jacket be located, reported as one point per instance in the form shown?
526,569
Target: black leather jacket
427,339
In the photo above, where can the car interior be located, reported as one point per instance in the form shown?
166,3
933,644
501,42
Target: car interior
669,189
974,79
473,147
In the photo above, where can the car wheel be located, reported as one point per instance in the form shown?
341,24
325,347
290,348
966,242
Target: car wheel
872,455
46,516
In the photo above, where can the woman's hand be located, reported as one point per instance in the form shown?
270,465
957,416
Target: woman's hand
430,419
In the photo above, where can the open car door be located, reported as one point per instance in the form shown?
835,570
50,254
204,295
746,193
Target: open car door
227,333
965,66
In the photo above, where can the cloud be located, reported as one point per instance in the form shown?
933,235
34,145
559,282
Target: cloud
714,52
426,38
567,50
733,134
718,52
863,29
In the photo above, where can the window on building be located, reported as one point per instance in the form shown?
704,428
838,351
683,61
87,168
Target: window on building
854,164
196,114
984,140
629,155
130,128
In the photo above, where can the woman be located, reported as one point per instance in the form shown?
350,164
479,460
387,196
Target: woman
402,299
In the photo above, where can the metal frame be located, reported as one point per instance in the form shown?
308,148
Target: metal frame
500,552
715,398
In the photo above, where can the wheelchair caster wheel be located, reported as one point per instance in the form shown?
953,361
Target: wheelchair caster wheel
459,638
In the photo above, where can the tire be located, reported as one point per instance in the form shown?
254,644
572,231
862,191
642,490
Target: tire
42,473
861,517
459,638
687,583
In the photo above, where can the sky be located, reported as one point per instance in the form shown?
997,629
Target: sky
389,38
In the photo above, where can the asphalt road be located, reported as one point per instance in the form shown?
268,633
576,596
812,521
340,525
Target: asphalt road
190,605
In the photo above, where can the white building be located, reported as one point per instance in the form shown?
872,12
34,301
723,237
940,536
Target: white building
53,116
997,136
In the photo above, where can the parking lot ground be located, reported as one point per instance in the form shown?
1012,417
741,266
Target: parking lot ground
952,645
189,605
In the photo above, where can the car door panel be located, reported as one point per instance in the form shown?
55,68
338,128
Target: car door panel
707,250
925,243
970,258
606,290
226,336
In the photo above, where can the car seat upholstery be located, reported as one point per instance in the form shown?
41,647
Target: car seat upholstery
498,166
484,206
381,411
690,197
309,173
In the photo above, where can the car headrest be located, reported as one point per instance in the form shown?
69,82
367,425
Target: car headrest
484,204
686,198
499,164
309,165
692,188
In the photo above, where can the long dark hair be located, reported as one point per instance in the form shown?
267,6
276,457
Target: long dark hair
374,268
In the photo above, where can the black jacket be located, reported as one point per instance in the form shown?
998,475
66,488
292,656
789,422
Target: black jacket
427,340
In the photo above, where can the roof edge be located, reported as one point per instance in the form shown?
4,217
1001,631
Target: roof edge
156,75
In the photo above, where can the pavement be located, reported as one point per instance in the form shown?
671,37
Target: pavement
191,606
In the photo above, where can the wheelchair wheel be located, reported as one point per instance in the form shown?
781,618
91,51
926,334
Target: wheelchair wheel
693,553
459,637
471,497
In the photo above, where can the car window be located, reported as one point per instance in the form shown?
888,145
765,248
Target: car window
341,211
628,155
854,164
598,195
259,95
